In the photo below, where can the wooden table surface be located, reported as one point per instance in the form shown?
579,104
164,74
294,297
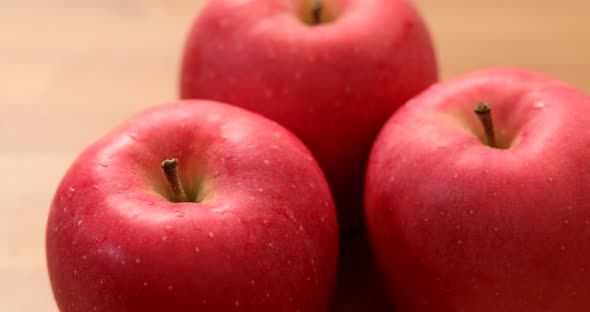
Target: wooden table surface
71,70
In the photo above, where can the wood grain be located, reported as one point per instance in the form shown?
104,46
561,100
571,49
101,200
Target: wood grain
71,70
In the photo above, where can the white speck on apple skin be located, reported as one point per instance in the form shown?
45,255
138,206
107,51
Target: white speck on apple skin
260,189
266,162
137,260
211,234
539,104
237,303
145,284
170,287
562,248
197,249
71,192
252,282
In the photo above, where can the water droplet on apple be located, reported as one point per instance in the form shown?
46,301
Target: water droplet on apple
96,187
179,213
100,239
103,165
169,229
539,104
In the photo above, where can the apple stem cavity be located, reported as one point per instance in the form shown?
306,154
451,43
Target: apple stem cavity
170,169
484,112
316,12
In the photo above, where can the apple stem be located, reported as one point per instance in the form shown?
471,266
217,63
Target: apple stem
484,112
170,168
316,11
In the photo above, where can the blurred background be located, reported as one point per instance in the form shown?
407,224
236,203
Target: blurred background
70,70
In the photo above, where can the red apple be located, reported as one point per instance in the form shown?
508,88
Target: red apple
460,224
256,231
331,71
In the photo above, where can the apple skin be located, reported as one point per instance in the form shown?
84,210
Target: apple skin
459,226
333,84
264,237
